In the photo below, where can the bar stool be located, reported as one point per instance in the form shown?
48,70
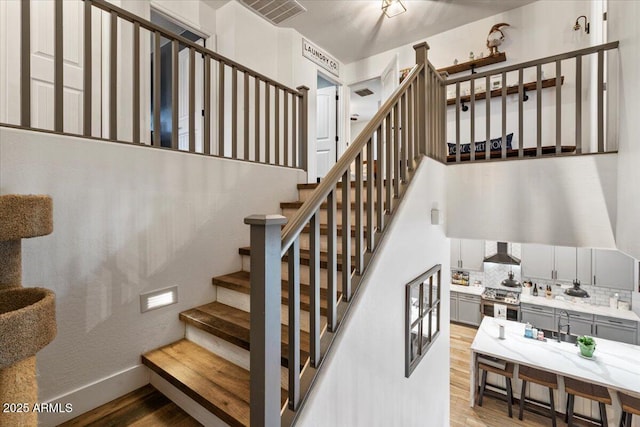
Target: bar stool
543,378
630,406
507,373
593,392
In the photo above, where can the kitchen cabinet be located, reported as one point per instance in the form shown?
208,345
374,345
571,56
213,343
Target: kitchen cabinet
556,263
467,254
581,323
613,269
469,309
453,304
614,329
539,316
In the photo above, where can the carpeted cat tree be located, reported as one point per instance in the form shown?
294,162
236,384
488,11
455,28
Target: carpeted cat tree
27,315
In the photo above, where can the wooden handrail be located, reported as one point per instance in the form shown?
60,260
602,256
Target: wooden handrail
128,16
307,210
533,63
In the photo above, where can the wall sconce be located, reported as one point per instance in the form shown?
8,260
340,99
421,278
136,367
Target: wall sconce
435,216
392,8
577,26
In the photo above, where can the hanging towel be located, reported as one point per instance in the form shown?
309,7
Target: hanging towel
500,311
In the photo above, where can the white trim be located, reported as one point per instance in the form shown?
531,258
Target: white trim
95,394
190,406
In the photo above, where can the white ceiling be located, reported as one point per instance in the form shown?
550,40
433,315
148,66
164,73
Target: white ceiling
355,29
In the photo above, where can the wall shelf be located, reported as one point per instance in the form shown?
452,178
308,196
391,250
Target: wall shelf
497,93
476,63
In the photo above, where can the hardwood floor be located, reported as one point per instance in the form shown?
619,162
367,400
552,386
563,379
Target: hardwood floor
145,407
493,412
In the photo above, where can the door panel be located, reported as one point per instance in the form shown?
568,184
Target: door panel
326,130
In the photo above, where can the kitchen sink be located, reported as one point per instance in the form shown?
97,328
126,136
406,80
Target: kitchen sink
564,337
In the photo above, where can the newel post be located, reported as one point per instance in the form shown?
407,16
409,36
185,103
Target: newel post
422,91
304,122
265,319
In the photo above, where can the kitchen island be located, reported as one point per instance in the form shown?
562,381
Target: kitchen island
614,366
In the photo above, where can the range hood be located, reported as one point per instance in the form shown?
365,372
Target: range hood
502,257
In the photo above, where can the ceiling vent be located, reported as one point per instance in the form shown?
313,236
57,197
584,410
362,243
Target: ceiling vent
275,11
364,92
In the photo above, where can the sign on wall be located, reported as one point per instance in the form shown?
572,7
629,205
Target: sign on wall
320,57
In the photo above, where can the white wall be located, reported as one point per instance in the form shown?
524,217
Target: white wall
363,380
567,201
537,30
128,220
623,24
277,53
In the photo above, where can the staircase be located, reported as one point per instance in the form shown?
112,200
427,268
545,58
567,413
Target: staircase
211,364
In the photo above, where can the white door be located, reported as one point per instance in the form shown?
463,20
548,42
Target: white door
183,99
42,63
326,130
390,79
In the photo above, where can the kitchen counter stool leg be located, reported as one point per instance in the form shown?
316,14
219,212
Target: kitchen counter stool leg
483,384
603,414
522,397
509,397
570,410
553,407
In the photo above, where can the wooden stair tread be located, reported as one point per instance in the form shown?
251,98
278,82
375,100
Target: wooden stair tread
233,325
240,281
142,407
305,258
215,383
314,185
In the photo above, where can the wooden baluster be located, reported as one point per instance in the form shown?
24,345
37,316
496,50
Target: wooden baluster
294,132
389,162
487,144
472,118
539,110
558,106
396,150
294,324
410,128
246,116
25,64
314,289
359,215
58,71
276,141
332,261
206,132
234,113
578,104
458,122
267,123
221,125
135,107
87,71
600,101
256,121
192,100
285,127
405,144
370,198
113,77
175,99
504,115
346,236
379,180
520,113
156,89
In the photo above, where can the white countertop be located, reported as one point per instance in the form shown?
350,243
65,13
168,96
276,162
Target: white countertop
599,310
471,289
615,364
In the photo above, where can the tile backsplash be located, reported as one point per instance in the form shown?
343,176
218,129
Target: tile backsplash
493,274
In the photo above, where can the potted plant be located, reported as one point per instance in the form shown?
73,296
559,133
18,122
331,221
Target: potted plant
587,345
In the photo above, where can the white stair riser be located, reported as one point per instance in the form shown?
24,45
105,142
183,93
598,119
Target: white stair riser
242,301
220,347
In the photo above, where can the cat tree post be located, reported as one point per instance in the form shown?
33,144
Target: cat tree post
27,315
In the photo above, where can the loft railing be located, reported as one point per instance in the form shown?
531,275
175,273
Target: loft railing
378,166
257,118
538,131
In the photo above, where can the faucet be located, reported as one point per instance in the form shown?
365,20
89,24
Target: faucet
560,325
